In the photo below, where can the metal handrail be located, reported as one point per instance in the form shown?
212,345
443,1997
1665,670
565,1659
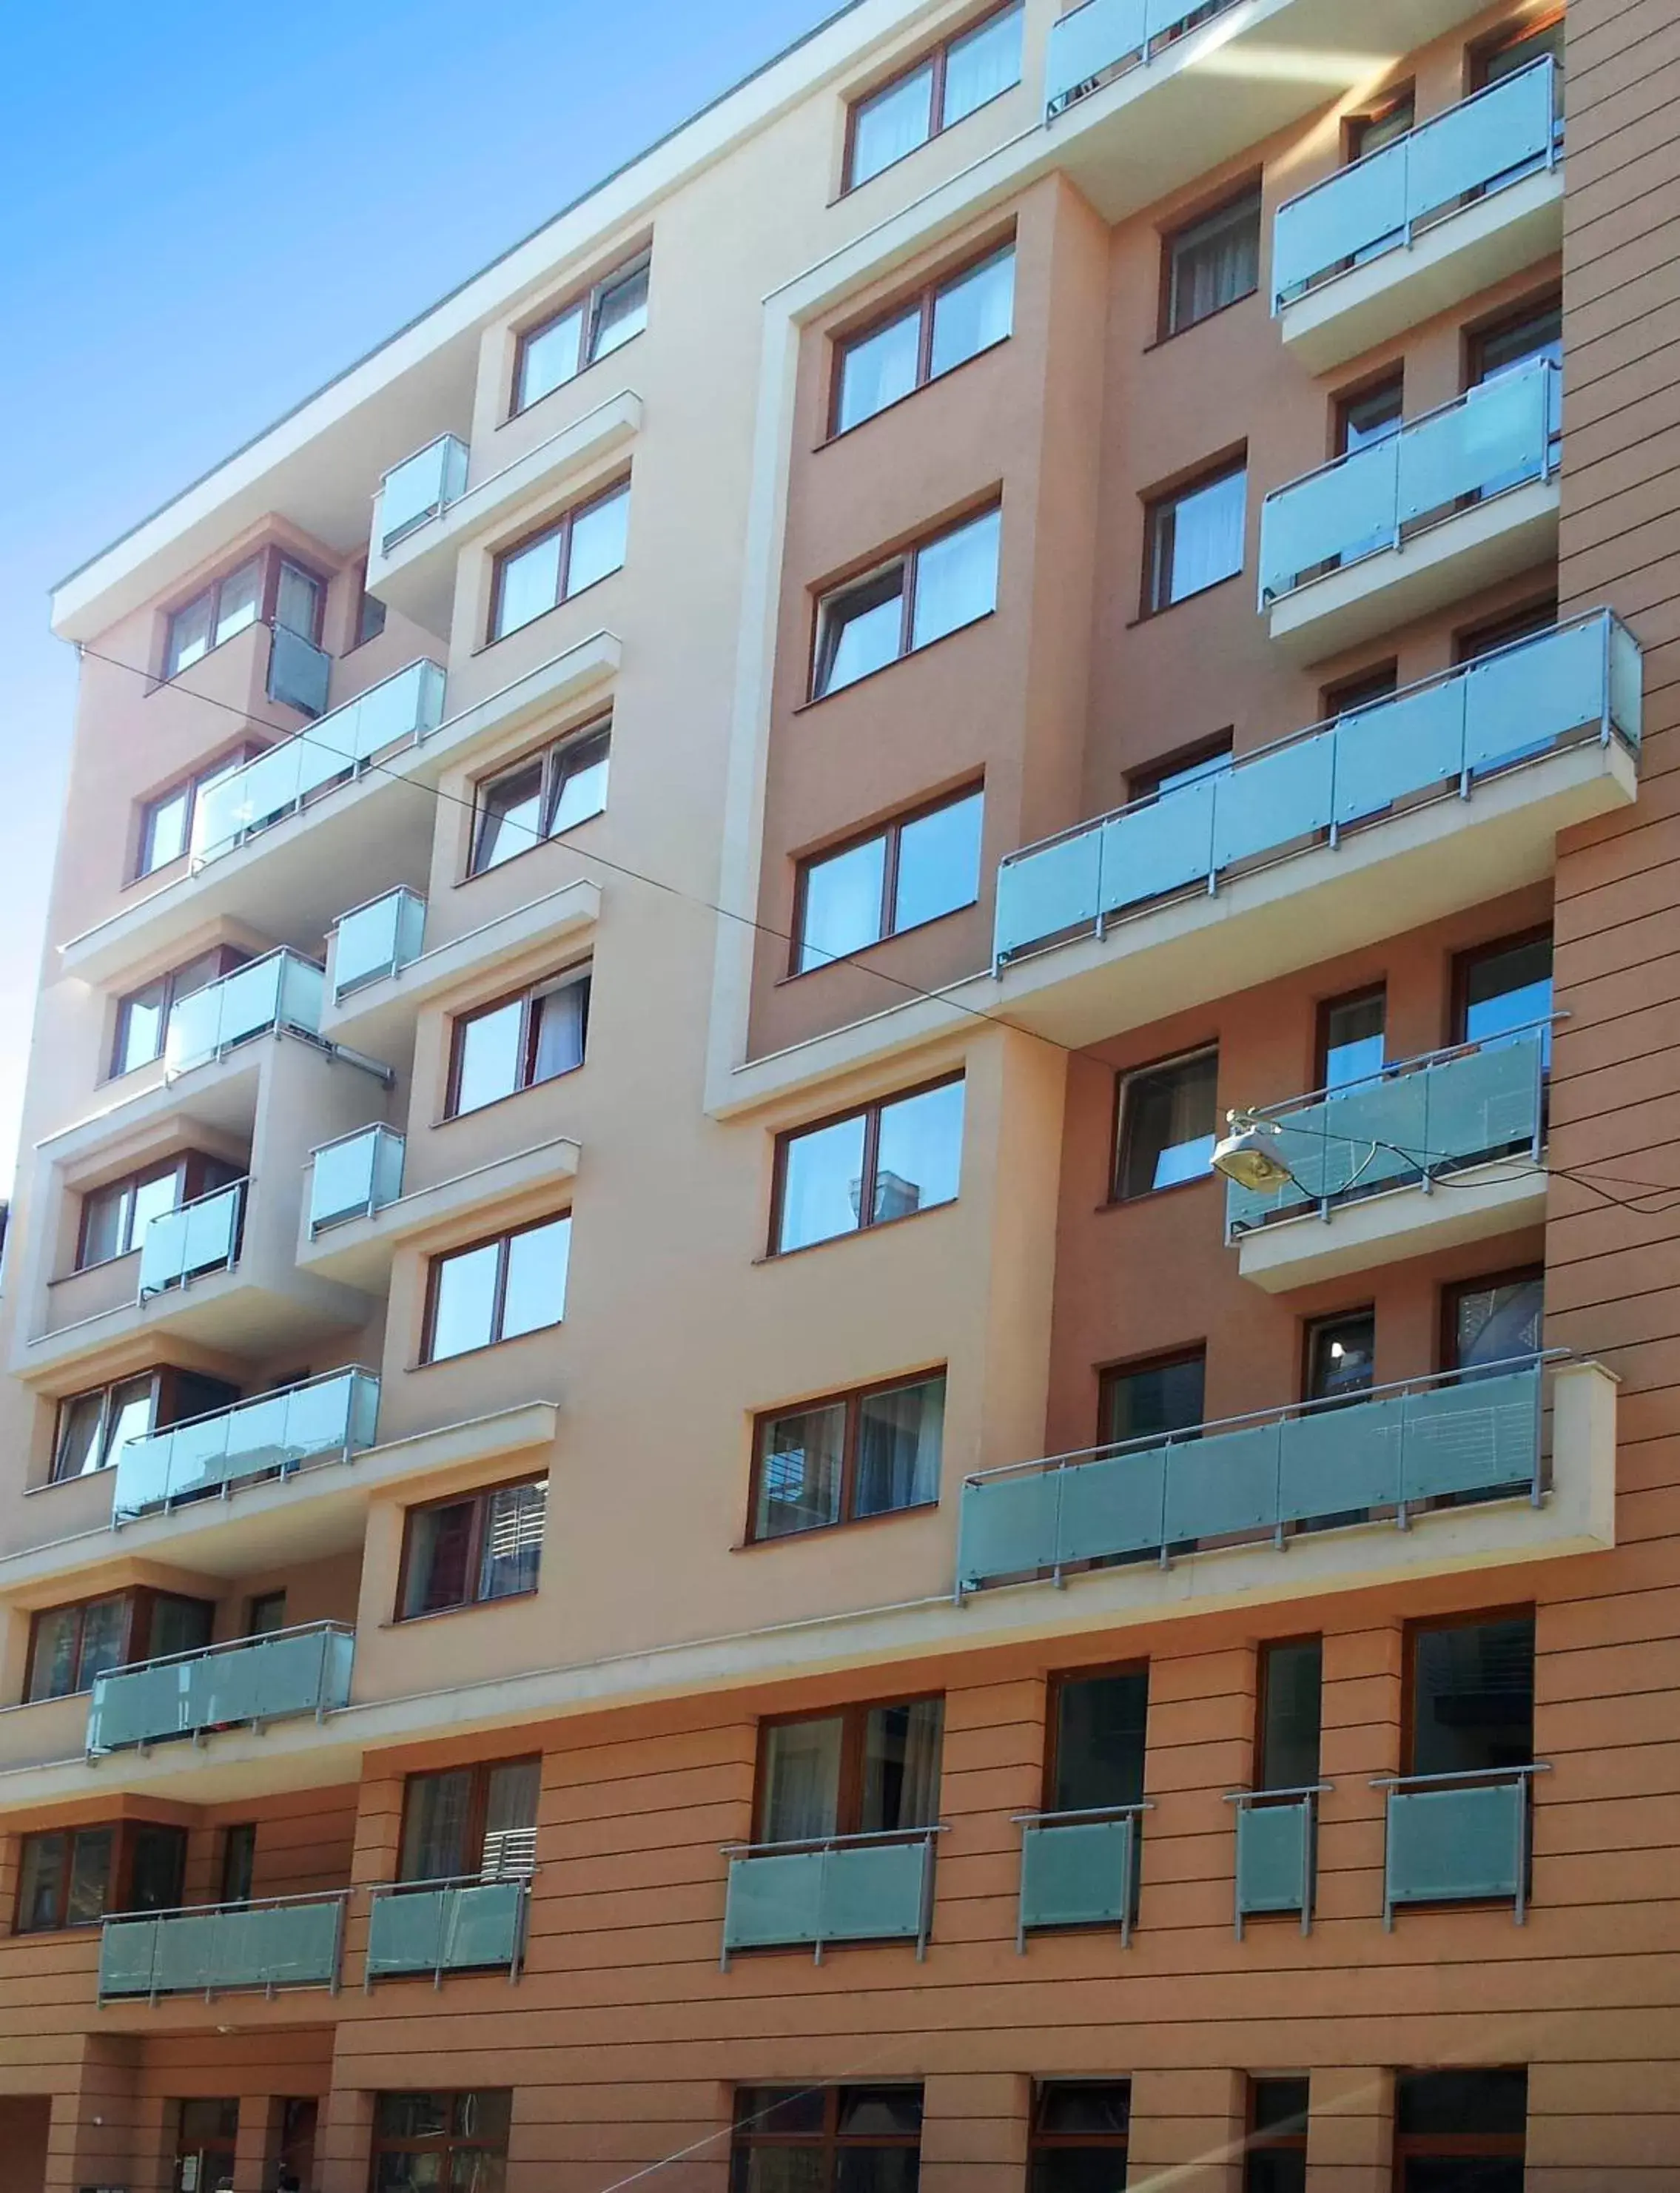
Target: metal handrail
1461,1775
242,1903
835,1842
375,1889
230,1644
1084,1813
247,1401
1393,1069
1256,1796
395,890
356,1135
447,435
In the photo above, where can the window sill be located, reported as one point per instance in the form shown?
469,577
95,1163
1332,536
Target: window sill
855,959
508,1097
911,655
509,1340
1173,334
933,381
525,411
559,837
828,1530
851,190
470,1606
853,1233
1150,617
496,639
1154,1195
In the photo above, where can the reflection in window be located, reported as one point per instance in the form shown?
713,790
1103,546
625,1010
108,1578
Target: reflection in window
582,545
890,1159
1195,538
1496,1325
1098,1736
912,871
1464,2129
485,1546
1212,263
1502,988
835,2139
866,1770
540,797
867,1453
950,322
952,82
584,329
1291,1691
1081,2130
1472,1702
514,1285
948,581
1168,1124
1342,1356
518,1043
1351,1032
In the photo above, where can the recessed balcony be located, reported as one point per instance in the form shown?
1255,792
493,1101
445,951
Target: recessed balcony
331,1416
1428,1153
248,1682
1450,794
841,1889
1454,206
282,1941
1455,499
435,1928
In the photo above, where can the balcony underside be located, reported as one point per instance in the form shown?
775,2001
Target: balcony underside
358,1252
1478,1204
244,1312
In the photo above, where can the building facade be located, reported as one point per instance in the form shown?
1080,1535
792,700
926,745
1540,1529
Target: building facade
661,1524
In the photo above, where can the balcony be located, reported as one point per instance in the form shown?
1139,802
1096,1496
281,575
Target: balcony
353,1177
300,673
1080,1870
421,488
1468,197
245,1683
182,1245
1458,1839
331,1415
283,990
287,1942
377,938
1090,45
1455,499
1365,1161
447,1926
1276,1854
843,1889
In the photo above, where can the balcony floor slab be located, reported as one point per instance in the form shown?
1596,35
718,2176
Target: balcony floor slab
1477,1205
358,1252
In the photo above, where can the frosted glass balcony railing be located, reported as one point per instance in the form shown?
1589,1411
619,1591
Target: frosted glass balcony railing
1258,1476
1446,732
299,671
250,1679
281,990
1276,1854
1080,1870
843,1889
447,1926
377,938
422,487
1502,434
1412,1122
397,711
191,1239
285,1942
335,1414
1458,1839
1379,204
1092,44
354,1177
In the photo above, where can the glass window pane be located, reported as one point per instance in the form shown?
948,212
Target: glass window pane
536,1278
105,1230
822,1183
178,1625
53,1658
163,832
90,1876
140,1020
799,1470
1461,2104
238,599
1292,1689
621,312
528,583
939,862
1213,264
560,1020
1080,2170
901,1766
974,311
1282,2105
549,357
412,2116
133,1407
1374,417
1498,1324
1341,1357
779,2170
1155,1400
1353,1040
598,540
188,635
859,631
1508,987
892,123
156,1878
440,1541
238,1862
919,1159
509,1853
487,1056
1101,1730
151,1198
45,1867
900,1436
879,2112
508,816
877,2170
956,579
981,65
434,1848
840,911
800,1787
1200,538
103,1639
878,370
463,1302
511,1558
764,2110
78,1446
1170,1124
579,785
486,2116
297,602
1473,1696
1078,2106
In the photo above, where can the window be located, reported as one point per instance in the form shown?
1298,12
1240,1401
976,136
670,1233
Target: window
1500,987
517,1042
581,545
207,2136
472,1822
115,1217
885,1161
936,92
370,612
143,1016
864,1770
867,1453
584,329
92,1426
1471,1696
1274,2160
950,321
1485,639
1372,415
1341,1356
238,1862
841,2139
497,1290
1368,689
1350,1038
1492,64
1365,134
72,1876
1169,1125
1535,332
1079,2136
1194,537
441,2143
1495,1325
1149,1400
70,1645
1291,1675
169,825
267,587
461,1552
931,590
539,797
265,1614
1211,758
1099,1729
1460,2132
915,870
1211,263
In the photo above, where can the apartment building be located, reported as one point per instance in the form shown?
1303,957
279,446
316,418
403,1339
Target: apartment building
662,1523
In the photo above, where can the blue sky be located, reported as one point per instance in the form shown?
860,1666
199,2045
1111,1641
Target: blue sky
204,215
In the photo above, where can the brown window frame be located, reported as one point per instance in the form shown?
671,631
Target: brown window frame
940,56
138,1602
1157,549
870,1114
549,754
443,2144
162,1377
907,561
271,556
1485,949
1263,1652
1453,1290
1475,1617
830,2143
1326,1321
1391,381
479,1497
1058,1681
119,1878
892,833
922,301
1042,2142
1356,128
190,1169
564,525
1484,50
1148,780
1321,1032
1476,338
588,296
580,975
238,1850
1173,239
1476,641
1109,1375
477,1810
1124,1078
189,788
852,1399
1363,688
229,959
853,1714
1437,2146
1276,2139
434,1265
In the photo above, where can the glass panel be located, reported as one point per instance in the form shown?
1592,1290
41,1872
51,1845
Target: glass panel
919,1159
1213,263
878,370
1473,1696
842,906
901,1766
152,1199
560,1019
973,312
238,599
1171,1123
464,1302
434,1830
621,312
1506,988
90,1876
549,357
1475,2104
413,2116
189,635
1283,2170
877,2170
1081,2107
528,583
439,1545
1353,1040
508,817
140,1027
512,1556
1292,1680
1158,1399
79,1447
878,2112
1341,1354
1101,1725
801,1786
822,1183
104,1627
163,832
1199,539
1495,1325
511,1798
598,535
159,1855
779,2170
956,579
764,2110
800,1458
578,789
129,1417
45,1863
535,1289
487,1056
107,1228
939,862
892,123
297,602
1078,2170
978,66
899,1446
860,631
